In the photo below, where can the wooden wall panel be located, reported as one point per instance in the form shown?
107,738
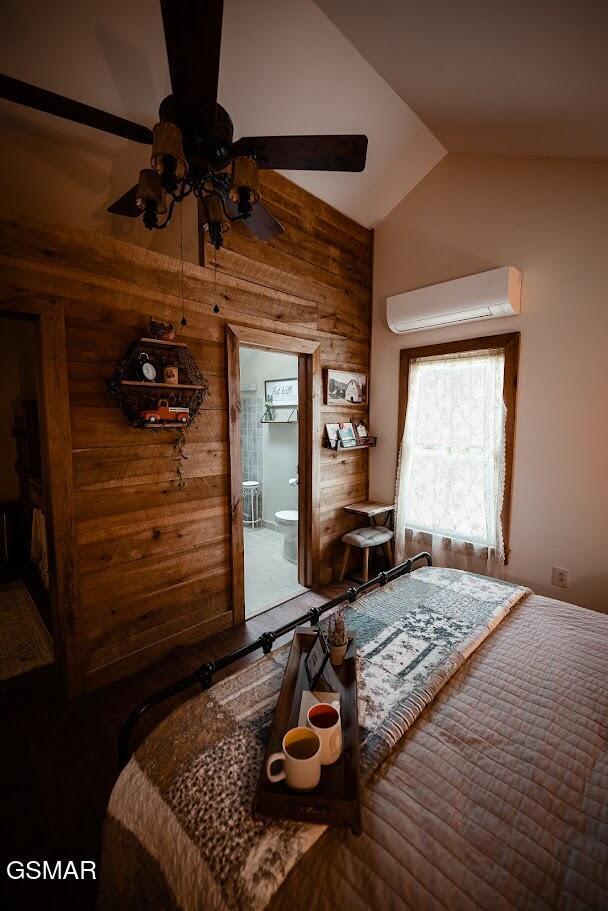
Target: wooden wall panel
152,557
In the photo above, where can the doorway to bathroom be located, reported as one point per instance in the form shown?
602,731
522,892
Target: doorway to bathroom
269,452
274,394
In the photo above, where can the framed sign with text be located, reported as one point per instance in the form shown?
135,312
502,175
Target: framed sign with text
282,393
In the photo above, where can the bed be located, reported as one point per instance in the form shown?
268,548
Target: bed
496,798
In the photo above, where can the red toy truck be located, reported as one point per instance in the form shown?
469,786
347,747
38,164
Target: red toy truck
165,412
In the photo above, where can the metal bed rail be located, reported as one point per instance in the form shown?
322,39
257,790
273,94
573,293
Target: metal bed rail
203,676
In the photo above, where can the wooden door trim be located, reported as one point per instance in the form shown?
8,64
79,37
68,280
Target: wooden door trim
309,455
58,488
273,341
235,475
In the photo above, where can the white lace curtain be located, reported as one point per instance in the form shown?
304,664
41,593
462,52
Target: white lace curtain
451,476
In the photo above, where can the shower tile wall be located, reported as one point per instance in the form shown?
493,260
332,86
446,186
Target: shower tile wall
251,444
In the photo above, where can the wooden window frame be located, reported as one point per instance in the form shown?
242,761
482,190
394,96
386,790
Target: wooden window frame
508,342
309,452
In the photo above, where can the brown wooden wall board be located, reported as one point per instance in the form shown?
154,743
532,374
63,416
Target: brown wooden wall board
145,612
133,542
147,561
98,510
135,655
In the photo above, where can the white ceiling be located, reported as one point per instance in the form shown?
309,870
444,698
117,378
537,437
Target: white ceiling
285,68
524,77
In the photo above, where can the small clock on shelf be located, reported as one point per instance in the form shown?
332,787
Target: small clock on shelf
147,368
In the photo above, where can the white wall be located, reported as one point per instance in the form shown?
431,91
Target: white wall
549,218
280,441
18,381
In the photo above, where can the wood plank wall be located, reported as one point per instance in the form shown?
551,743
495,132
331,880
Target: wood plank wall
152,558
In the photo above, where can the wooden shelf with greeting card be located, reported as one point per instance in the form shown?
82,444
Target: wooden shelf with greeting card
348,435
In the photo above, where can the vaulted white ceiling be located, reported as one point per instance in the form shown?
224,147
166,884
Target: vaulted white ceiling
285,68
524,77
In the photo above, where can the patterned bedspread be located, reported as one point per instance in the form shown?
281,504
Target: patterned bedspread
498,796
179,831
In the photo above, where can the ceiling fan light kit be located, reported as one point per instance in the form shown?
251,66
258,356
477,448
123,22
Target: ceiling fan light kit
193,152
244,188
215,220
168,159
150,197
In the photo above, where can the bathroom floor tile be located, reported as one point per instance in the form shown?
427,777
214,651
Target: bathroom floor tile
269,577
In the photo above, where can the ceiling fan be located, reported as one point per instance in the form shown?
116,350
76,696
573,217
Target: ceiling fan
192,144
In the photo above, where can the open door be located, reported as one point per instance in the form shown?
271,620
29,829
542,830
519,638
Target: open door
308,450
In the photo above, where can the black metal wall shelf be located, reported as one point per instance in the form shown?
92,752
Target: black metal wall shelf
289,420
138,393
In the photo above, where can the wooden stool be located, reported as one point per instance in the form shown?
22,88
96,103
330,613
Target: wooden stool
366,538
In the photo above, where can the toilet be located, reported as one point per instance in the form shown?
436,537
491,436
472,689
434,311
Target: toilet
287,524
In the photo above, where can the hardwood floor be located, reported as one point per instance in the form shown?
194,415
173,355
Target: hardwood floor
59,761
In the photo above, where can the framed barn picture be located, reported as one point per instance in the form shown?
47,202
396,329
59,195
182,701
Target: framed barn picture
344,387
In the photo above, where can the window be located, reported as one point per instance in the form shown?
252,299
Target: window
454,480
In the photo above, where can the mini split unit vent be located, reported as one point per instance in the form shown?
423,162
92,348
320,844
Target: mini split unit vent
484,296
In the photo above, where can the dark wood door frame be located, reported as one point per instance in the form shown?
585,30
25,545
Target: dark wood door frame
57,480
309,452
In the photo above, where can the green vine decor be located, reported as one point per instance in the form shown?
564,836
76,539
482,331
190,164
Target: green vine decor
178,446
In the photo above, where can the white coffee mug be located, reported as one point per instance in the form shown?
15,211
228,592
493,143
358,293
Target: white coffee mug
324,719
301,758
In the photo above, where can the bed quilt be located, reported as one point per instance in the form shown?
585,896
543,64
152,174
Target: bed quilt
179,831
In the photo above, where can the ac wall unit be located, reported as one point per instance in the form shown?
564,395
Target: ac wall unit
486,295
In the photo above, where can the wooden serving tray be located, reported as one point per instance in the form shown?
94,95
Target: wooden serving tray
337,799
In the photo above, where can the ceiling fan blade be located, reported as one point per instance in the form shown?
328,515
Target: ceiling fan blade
193,33
263,224
51,103
309,153
126,205
230,207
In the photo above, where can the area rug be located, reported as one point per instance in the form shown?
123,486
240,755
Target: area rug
24,640
180,830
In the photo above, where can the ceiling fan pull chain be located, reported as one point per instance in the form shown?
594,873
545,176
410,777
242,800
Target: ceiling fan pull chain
184,321
216,308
